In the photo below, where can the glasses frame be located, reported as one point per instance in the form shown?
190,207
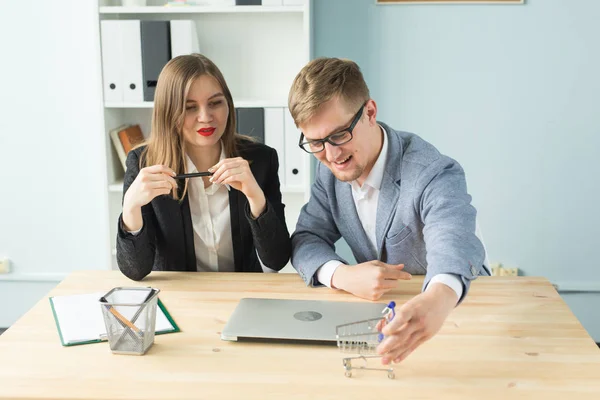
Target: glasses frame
327,139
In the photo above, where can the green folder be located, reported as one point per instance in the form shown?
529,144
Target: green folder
79,319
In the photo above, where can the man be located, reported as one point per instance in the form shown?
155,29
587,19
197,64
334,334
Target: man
402,207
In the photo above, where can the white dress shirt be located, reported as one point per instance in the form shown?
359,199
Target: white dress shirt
366,199
211,223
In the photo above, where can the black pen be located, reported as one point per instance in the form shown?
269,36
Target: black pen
192,175
150,293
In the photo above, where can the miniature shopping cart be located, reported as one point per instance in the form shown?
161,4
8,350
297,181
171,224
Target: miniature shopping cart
362,338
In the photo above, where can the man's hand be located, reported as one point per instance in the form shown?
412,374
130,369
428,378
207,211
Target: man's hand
369,280
417,321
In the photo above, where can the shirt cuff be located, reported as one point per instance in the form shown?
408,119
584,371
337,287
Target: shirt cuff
134,233
263,266
249,212
450,280
326,271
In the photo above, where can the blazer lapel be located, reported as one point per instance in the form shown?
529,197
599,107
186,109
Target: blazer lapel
236,237
389,192
352,221
386,208
188,234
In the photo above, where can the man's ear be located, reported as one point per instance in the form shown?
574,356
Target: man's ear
371,111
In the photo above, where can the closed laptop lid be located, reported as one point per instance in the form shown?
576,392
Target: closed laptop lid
299,320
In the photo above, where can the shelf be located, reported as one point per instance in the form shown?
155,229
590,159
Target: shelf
238,103
248,103
116,187
292,190
200,9
259,49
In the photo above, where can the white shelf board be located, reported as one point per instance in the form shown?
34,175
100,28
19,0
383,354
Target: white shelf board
200,9
116,187
292,189
248,103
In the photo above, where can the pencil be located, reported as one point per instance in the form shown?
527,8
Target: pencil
137,313
192,175
124,320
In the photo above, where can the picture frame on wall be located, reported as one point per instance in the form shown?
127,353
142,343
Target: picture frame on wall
450,1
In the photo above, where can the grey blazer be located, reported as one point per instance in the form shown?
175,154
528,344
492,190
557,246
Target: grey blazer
425,219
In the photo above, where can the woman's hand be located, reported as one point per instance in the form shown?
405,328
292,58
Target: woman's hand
236,173
150,182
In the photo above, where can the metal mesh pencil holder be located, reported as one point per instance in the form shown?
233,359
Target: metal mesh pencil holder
362,338
130,319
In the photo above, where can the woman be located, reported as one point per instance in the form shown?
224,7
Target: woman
230,221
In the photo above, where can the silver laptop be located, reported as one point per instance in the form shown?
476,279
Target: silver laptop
294,320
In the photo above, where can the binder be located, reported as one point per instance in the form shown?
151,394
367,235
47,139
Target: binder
131,61
79,319
275,137
156,53
294,160
251,122
110,34
184,38
134,53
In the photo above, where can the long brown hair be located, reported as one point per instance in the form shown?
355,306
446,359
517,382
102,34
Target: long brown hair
165,145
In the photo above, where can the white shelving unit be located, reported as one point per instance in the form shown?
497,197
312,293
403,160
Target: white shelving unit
199,9
259,49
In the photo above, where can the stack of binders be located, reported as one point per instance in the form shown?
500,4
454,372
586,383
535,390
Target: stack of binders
134,52
236,2
275,127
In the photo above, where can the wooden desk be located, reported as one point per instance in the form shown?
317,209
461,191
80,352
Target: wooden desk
511,337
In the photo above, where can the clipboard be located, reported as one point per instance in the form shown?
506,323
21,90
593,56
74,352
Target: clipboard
79,319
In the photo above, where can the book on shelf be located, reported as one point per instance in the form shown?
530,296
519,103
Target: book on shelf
124,138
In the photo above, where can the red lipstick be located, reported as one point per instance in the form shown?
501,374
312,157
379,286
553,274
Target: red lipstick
206,131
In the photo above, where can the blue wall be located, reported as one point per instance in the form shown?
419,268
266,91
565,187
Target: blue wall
513,93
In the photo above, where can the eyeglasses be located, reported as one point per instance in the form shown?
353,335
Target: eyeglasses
335,139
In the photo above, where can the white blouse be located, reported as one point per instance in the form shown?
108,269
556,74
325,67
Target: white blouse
212,229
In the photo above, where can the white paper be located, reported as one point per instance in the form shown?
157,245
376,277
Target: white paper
80,317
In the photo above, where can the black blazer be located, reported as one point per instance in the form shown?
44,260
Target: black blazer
166,241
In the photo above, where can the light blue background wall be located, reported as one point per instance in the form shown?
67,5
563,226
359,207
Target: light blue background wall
513,93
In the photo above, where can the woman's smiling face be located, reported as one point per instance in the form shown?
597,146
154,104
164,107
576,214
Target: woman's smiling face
206,113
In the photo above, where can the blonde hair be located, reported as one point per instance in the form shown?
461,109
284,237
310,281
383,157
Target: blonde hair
323,79
165,145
